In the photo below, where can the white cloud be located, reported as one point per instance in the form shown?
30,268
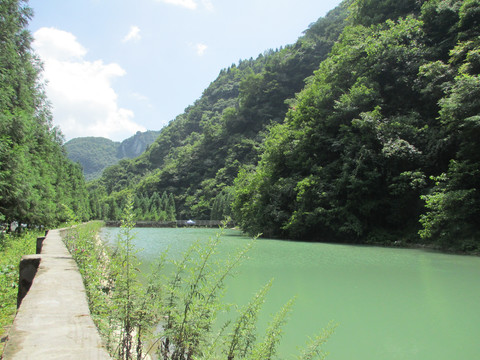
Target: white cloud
84,102
58,44
200,48
133,34
190,4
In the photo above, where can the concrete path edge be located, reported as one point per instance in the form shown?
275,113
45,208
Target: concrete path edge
53,320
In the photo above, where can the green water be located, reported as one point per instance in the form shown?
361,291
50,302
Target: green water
388,303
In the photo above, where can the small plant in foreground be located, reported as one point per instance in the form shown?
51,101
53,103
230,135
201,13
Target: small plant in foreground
128,293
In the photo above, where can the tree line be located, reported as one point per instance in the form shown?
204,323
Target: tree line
37,181
145,207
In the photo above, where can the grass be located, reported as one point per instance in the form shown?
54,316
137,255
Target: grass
12,248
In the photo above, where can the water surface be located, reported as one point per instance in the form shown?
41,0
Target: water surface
389,303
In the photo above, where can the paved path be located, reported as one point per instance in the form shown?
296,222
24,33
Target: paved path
53,321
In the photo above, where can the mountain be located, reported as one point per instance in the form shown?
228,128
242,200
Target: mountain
198,154
363,131
381,146
135,145
95,154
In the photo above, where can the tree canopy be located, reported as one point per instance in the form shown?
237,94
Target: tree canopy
37,181
388,120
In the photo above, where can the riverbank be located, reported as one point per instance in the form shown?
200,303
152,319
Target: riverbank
109,274
427,247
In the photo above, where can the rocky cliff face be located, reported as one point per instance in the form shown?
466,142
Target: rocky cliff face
136,145
97,153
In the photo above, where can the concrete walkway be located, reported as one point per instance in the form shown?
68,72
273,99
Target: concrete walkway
53,320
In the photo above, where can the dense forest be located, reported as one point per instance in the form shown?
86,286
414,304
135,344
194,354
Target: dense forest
95,154
39,186
365,130
380,146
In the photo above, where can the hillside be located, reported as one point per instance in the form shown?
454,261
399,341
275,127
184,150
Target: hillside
381,144
362,131
198,154
95,154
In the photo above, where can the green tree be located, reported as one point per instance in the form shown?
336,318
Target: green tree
127,294
344,166
371,12
35,175
114,212
171,211
453,206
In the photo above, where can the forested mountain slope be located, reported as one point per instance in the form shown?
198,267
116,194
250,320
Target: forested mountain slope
379,146
95,154
38,183
383,142
197,156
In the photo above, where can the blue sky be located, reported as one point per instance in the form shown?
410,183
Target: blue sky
115,67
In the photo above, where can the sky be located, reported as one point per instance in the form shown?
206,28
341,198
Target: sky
115,67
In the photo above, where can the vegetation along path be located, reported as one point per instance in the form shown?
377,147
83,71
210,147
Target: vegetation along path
53,320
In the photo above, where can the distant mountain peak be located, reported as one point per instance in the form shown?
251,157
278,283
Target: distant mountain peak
95,154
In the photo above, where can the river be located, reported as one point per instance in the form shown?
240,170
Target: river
388,303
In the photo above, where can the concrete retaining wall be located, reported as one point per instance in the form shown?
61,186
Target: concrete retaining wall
53,320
